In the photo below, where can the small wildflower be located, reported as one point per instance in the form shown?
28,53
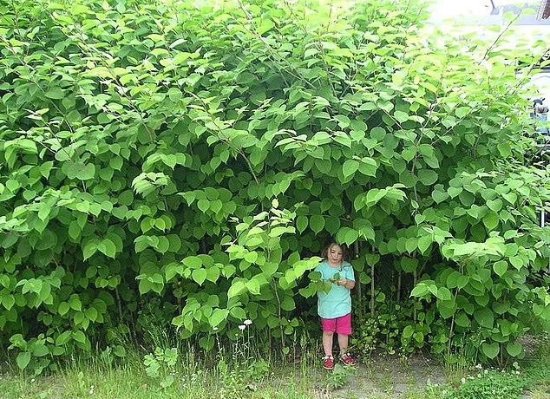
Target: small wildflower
247,322
33,380
478,366
215,328
463,380
242,327
485,371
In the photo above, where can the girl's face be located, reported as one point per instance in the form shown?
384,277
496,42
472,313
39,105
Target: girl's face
334,255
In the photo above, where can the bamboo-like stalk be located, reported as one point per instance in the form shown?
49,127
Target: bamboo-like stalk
414,308
372,286
358,284
399,286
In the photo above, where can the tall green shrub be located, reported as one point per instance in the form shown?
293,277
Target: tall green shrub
202,156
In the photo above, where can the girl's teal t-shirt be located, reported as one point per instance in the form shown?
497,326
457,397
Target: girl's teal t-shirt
336,302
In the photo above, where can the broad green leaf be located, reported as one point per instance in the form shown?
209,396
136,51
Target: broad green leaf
490,350
495,205
203,205
199,275
514,349
23,359
491,220
265,26
107,247
347,235
63,308
89,249
419,291
317,223
193,262
368,166
401,116
462,320
8,301
378,133
91,313
517,262
439,196
236,289
74,303
301,223
79,336
350,167
500,267
213,274
217,316
484,317
427,176
253,287
238,312
55,93
424,243
444,294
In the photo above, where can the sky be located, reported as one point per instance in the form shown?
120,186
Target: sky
443,9
452,8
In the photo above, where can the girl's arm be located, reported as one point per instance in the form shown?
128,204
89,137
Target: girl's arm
349,284
348,281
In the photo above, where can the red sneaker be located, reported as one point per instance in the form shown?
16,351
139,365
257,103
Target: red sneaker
348,360
328,363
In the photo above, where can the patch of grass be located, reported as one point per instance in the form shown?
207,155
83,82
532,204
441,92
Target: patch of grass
87,379
224,376
491,385
531,375
538,371
340,377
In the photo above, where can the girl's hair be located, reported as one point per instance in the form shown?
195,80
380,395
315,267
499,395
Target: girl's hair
324,254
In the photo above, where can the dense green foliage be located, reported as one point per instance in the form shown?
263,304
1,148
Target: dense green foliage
494,384
164,163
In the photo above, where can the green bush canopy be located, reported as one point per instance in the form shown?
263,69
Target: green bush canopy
187,165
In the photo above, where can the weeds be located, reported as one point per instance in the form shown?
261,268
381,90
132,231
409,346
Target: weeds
339,377
492,384
182,373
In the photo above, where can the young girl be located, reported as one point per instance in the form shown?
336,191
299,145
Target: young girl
334,306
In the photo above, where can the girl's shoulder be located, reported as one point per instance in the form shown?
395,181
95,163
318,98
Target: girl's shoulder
323,263
346,265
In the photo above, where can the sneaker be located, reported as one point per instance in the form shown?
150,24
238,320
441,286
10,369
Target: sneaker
328,363
348,360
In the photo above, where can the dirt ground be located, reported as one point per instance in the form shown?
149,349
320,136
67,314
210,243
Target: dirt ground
384,377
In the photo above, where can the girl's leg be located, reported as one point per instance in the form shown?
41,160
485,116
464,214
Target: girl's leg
327,342
343,343
345,357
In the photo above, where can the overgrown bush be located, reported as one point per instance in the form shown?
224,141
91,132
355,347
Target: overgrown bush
202,156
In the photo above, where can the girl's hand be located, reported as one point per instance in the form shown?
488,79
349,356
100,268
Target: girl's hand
342,282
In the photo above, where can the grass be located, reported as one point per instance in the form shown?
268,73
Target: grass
130,380
538,372
186,377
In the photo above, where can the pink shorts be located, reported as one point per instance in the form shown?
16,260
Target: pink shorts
339,325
